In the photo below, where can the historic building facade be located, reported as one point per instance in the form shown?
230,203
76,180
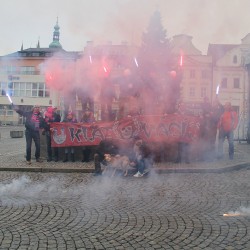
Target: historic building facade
22,77
230,74
219,74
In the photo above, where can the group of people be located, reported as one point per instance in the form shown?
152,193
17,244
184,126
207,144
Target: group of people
217,121
221,121
36,121
137,151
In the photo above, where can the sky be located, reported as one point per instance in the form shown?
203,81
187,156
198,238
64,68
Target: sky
207,21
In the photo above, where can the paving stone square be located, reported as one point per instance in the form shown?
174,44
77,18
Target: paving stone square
165,210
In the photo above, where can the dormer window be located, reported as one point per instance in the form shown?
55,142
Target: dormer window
35,54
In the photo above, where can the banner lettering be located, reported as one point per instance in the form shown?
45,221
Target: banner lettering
167,128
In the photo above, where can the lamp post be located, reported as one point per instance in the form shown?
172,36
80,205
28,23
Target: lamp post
247,65
5,115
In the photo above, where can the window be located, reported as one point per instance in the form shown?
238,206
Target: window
9,113
39,90
224,83
3,86
236,109
25,89
192,73
6,110
235,59
203,92
16,89
22,89
8,69
27,70
205,74
9,90
34,89
236,83
192,92
28,89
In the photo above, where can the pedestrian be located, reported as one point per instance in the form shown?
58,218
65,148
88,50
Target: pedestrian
87,118
51,116
34,122
227,124
206,124
183,146
217,111
71,119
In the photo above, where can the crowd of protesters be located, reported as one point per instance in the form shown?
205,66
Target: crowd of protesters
217,121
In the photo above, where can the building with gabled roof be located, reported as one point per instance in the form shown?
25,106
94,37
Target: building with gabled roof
230,76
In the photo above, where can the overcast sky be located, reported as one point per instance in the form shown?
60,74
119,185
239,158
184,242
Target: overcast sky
207,21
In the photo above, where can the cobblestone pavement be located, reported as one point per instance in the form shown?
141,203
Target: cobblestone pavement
167,211
161,211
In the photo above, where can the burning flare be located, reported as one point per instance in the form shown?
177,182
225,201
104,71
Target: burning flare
90,59
9,98
217,90
181,61
136,63
232,214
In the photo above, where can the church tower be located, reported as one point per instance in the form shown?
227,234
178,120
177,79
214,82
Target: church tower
56,35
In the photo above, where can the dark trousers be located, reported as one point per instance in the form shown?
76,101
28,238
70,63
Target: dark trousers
49,149
86,151
97,163
183,152
29,135
140,164
230,137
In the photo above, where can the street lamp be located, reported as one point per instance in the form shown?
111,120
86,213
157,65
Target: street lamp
5,115
247,65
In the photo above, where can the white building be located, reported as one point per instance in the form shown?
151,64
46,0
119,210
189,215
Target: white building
21,76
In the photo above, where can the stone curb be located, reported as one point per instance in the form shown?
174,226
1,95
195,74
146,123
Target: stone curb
208,170
156,170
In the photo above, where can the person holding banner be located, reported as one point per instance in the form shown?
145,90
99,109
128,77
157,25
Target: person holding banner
50,116
87,118
71,119
34,122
